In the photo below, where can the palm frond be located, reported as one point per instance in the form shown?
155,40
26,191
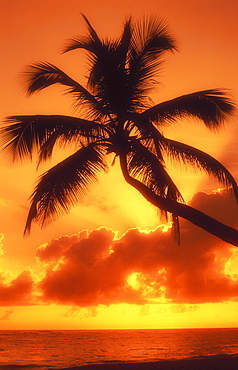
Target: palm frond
61,187
154,147
151,38
198,218
72,130
107,61
211,106
145,166
78,42
91,42
24,135
41,75
124,43
93,34
199,160
152,34
175,228
97,53
108,78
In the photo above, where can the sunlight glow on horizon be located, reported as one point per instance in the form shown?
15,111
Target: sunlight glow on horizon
207,58
121,316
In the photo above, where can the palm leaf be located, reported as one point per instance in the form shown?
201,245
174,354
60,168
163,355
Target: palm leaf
211,106
107,60
146,133
149,172
124,43
151,35
91,43
108,78
159,145
78,42
145,166
97,50
40,75
61,187
199,160
151,38
198,218
24,135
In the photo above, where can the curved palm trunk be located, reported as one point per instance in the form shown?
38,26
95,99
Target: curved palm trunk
198,218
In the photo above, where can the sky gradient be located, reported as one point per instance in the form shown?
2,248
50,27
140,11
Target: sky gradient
109,263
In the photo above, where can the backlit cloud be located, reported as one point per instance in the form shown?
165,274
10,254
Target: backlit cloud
18,292
97,267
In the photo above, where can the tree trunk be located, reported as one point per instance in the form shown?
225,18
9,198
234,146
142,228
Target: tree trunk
198,218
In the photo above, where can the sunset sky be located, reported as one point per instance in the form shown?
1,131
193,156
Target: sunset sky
110,263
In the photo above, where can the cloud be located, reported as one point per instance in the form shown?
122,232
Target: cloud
88,273
97,267
2,252
18,291
7,315
229,155
81,312
180,308
72,312
220,204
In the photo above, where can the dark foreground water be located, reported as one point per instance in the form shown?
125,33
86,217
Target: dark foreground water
62,349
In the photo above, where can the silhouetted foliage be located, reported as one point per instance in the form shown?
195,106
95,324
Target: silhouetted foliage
118,118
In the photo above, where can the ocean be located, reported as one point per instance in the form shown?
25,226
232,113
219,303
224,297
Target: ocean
58,349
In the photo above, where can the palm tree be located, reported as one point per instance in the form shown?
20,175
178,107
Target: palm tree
118,121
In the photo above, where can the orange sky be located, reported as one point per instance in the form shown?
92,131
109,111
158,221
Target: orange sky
147,281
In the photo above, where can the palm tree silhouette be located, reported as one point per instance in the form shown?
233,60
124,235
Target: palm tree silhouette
119,121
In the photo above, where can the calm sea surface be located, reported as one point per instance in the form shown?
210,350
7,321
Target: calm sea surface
58,349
